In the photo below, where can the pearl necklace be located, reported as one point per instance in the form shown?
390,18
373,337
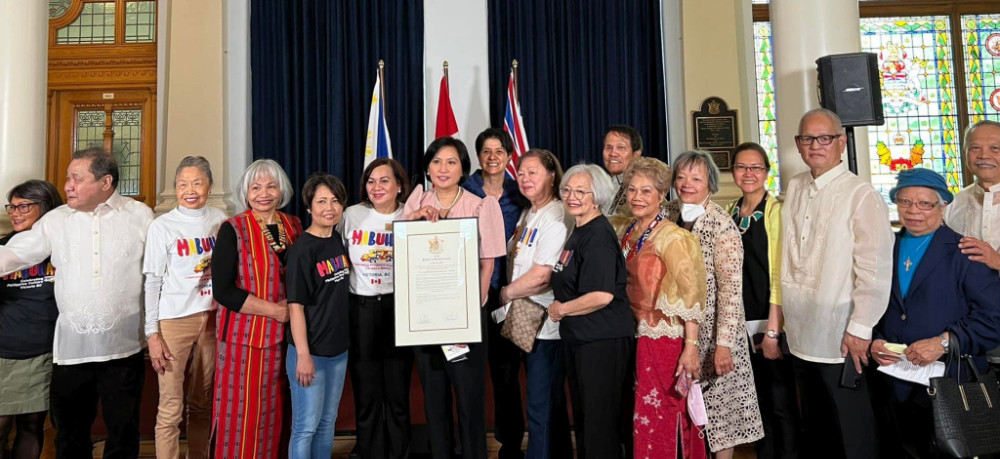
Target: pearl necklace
453,202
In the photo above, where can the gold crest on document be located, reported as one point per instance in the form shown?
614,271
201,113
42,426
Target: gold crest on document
435,245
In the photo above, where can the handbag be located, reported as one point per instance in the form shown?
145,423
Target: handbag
966,415
523,322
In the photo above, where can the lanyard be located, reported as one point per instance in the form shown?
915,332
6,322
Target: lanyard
626,247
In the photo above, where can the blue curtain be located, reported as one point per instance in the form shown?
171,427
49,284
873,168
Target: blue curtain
583,65
313,65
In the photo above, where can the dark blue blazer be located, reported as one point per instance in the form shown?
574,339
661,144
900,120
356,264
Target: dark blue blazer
948,292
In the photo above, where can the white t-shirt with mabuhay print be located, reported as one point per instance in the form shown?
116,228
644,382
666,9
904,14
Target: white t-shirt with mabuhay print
368,237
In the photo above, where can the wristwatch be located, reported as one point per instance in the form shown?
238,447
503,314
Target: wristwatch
944,342
772,334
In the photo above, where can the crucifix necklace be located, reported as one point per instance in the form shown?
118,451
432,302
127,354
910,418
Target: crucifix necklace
908,263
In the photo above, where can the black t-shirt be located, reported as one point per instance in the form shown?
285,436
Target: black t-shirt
756,275
591,261
317,278
27,311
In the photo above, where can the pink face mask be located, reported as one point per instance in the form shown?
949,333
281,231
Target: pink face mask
696,405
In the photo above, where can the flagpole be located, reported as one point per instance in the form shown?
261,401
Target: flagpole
447,81
517,91
381,81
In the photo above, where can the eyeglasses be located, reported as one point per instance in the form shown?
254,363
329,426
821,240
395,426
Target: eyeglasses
578,194
20,208
754,169
807,140
922,205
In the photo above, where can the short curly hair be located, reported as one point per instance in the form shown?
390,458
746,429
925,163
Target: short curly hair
652,168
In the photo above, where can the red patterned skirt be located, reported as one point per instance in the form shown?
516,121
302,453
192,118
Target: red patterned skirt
661,414
249,401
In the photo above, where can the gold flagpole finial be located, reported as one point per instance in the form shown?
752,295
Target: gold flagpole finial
381,64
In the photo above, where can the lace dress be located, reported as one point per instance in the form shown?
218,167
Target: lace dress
730,400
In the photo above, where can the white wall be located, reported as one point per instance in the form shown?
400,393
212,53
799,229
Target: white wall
456,31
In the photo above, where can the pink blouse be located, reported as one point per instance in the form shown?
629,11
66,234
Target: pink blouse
487,210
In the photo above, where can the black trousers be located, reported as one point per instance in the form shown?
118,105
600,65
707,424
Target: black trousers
779,411
505,365
907,425
73,397
598,374
380,379
468,379
625,419
839,422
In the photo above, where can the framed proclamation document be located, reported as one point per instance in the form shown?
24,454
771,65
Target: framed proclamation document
437,282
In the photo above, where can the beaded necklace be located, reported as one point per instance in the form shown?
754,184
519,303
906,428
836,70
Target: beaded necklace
282,243
745,222
627,249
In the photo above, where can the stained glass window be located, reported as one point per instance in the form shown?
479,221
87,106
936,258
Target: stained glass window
140,22
918,98
127,128
96,24
57,8
765,100
982,65
89,129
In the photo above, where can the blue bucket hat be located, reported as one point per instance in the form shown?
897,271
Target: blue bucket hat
922,177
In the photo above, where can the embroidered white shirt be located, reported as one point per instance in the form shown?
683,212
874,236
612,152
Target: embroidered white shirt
976,213
836,267
98,288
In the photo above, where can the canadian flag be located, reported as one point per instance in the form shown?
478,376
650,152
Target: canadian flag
446,124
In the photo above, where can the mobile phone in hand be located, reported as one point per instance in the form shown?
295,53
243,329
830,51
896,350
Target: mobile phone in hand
683,385
849,376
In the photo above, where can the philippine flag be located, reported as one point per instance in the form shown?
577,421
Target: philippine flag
377,143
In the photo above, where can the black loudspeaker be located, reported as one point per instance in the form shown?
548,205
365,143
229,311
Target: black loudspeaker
849,85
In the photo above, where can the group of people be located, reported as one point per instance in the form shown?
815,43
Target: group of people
681,327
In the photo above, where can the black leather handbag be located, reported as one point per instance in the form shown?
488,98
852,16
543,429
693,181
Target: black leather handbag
966,415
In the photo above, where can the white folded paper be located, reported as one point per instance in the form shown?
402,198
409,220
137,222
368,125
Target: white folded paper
454,353
754,327
909,371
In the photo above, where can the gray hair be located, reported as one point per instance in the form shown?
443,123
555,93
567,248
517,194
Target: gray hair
973,127
198,162
600,183
267,168
694,158
828,114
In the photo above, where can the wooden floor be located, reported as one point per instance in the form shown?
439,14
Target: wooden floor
342,447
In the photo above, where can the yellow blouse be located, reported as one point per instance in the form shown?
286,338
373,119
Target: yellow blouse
666,279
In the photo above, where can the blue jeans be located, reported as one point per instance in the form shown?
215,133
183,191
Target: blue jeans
548,428
314,408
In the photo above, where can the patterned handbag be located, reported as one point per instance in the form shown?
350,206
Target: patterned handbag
966,415
523,322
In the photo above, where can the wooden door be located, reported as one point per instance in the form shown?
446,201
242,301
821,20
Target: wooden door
122,122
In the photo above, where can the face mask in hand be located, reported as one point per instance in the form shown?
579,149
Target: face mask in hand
696,405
